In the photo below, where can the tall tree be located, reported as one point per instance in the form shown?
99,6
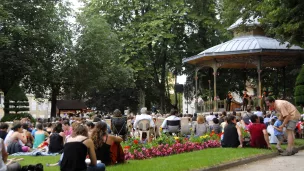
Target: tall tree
54,61
98,66
32,40
154,35
282,19
299,91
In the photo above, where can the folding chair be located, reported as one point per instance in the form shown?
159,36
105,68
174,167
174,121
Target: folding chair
174,126
144,126
119,126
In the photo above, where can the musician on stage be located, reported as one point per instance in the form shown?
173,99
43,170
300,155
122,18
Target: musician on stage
264,106
245,100
228,100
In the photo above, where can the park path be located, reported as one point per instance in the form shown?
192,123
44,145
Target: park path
279,163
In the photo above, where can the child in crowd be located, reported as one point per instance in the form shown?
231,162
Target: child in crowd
278,132
270,129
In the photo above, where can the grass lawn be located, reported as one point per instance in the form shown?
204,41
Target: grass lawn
185,161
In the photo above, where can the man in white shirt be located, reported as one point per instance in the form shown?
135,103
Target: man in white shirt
209,119
143,116
258,111
172,117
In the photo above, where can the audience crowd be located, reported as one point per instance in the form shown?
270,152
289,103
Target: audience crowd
92,143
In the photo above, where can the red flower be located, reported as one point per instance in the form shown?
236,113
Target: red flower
135,142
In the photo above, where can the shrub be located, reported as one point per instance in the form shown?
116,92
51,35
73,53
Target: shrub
19,116
16,100
299,91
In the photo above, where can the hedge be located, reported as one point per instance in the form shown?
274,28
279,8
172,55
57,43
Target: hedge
19,116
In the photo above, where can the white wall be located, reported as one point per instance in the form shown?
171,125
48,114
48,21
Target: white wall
39,108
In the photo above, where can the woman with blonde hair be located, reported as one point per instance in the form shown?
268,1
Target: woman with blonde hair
76,148
103,142
200,128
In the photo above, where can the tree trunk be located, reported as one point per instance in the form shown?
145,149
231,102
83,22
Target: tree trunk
55,93
6,104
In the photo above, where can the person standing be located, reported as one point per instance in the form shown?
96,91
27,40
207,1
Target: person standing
245,100
264,106
228,100
290,116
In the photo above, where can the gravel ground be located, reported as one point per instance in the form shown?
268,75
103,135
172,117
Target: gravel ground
280,163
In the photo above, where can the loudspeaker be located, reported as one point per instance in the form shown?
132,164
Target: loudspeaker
179,88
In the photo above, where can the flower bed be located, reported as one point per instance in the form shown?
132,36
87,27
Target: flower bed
166,150
168,145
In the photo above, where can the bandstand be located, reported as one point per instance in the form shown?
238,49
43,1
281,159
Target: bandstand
248,49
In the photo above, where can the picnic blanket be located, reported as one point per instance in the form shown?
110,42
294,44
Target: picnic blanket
36,152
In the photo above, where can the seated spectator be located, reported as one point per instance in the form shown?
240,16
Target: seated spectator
232,134
74,160
57,139
222,115
172,117
267,120
3,130
90,126
103,142
4,164
200,128
119,124
209,120
258,111
262,120
40,136
49,128
258,135
97,118
29,136
194,117
16,139
223,124
216,128
143,116
246,117
66,128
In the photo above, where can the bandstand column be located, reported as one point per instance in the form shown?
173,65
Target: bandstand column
259,93
215,107
196,98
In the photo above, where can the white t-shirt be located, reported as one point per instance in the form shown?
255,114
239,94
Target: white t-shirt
272,138
209,119
258,113
142,117
170,118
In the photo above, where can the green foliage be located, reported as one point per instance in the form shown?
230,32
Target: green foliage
299,91
164,139
16,100
19,116
156,35
16,94
281,19
98,66
135,144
